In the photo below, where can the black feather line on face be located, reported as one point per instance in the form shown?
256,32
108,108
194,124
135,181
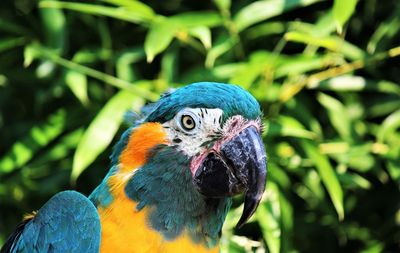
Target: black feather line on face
187,134
177,140
208,143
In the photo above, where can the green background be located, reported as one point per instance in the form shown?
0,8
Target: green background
324,72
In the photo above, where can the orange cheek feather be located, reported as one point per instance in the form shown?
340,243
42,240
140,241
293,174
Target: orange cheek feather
123,228
141,141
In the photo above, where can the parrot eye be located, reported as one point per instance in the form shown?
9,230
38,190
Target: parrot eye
187,122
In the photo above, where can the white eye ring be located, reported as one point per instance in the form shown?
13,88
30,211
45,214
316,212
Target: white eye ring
187,121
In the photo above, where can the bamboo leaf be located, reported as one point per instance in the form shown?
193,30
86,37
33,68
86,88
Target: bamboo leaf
54,24
198,18
219,48
203,33
333,43
342,11
223,5
338,116
125,14
327,174
268,215
135,7
287,126
39,137
385,33
353,180
7,44
261,10
389,126
347,83
159,37
77,82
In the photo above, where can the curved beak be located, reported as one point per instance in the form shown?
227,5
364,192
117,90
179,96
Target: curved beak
239,166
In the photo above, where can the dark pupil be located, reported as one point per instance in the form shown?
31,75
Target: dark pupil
188,122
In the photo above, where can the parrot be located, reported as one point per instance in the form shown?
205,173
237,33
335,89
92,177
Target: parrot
171,181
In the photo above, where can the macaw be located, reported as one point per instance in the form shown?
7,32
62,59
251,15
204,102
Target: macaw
171,181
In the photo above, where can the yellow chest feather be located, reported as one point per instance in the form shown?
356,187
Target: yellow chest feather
125,230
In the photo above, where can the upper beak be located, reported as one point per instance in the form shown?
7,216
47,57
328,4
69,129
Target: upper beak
239,166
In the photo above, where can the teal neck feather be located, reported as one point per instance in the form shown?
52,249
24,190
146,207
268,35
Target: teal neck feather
165,185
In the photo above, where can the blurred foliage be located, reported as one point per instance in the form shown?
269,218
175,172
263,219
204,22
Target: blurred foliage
324,72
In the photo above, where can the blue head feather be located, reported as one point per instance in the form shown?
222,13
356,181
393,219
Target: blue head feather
232,99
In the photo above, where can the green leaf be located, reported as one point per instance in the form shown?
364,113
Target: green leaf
7,44
169,64
30,54
389,126
278,176
203,33
137,8
77,82
125,68
347,83
162,31
353,180
60,149
125,14
54,24
287,126
374,247
382,106
286,223
228,70
268,216
265,29
198,18
342,11
338,115
247,75
223,5
159,37
219,48
325,25
332,43
312,181
262,10
385,33
102,130
394,169
297,65
39,137
299,109
10,26
327,174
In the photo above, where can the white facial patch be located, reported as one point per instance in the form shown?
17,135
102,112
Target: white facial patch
192,128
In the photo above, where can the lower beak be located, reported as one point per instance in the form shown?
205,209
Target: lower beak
239,166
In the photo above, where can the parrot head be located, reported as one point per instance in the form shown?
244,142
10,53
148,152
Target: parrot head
193,150
218,127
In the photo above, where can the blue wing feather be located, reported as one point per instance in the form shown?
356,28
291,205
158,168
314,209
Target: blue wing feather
68,222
